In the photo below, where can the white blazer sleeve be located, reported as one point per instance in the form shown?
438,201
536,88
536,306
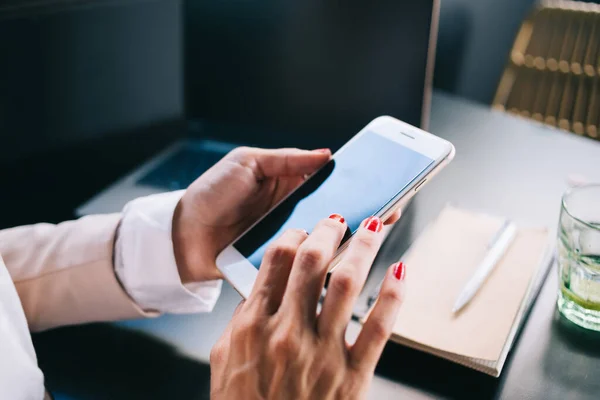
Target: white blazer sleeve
145,261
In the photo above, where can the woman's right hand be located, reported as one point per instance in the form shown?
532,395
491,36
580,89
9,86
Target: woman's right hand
278,347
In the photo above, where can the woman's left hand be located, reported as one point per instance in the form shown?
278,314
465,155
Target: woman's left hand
225,200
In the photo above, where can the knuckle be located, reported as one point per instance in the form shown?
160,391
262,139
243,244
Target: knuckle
310,257
379,331
280,251
390,296
241,154
261,294
286,161
285,344
366,242
343,284
240,151
246,329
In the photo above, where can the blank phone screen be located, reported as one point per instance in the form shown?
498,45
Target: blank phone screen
357,183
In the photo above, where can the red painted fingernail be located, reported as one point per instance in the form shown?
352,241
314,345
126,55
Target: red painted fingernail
337,217
322,150
373,224
399,271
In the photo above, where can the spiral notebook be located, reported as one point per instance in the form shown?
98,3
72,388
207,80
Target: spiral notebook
441,261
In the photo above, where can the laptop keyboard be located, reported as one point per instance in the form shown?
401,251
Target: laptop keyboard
182,167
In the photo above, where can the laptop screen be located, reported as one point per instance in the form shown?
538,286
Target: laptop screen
305,73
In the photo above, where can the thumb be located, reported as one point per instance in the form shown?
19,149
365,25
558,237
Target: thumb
268,163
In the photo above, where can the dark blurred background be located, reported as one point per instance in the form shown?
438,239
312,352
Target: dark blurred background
107,76
81,85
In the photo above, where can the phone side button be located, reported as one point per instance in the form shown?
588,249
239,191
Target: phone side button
420,184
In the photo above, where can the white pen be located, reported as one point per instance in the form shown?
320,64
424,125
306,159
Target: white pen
496,249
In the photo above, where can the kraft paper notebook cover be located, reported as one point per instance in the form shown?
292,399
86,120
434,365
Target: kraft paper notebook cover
441,261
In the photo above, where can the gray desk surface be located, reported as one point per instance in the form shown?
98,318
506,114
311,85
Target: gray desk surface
504,165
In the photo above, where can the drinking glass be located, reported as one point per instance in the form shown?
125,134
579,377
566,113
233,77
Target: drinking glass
579,256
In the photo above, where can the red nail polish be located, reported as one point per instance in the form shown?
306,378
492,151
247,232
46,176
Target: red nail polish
337,217
373,224
322,150
399,271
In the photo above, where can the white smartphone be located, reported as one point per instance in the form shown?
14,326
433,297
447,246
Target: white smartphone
375,173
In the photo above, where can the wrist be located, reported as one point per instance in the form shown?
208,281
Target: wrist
194,262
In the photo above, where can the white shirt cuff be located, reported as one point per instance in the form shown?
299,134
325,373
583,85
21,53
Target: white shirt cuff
145,261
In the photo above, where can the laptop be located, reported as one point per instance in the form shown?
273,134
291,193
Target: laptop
306,74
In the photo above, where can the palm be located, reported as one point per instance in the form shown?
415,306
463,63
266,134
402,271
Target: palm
229,197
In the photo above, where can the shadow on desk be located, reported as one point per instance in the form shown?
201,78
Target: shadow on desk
102,361
572,356
434,375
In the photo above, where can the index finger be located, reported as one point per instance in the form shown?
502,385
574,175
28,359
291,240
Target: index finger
309,270
275,270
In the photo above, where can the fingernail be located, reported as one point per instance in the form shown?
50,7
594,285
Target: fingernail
399,271
322,150
373,224
305,231
338,218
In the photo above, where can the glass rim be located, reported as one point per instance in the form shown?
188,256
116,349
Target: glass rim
569,192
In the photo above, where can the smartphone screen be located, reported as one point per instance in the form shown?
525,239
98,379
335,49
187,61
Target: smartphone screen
360,181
